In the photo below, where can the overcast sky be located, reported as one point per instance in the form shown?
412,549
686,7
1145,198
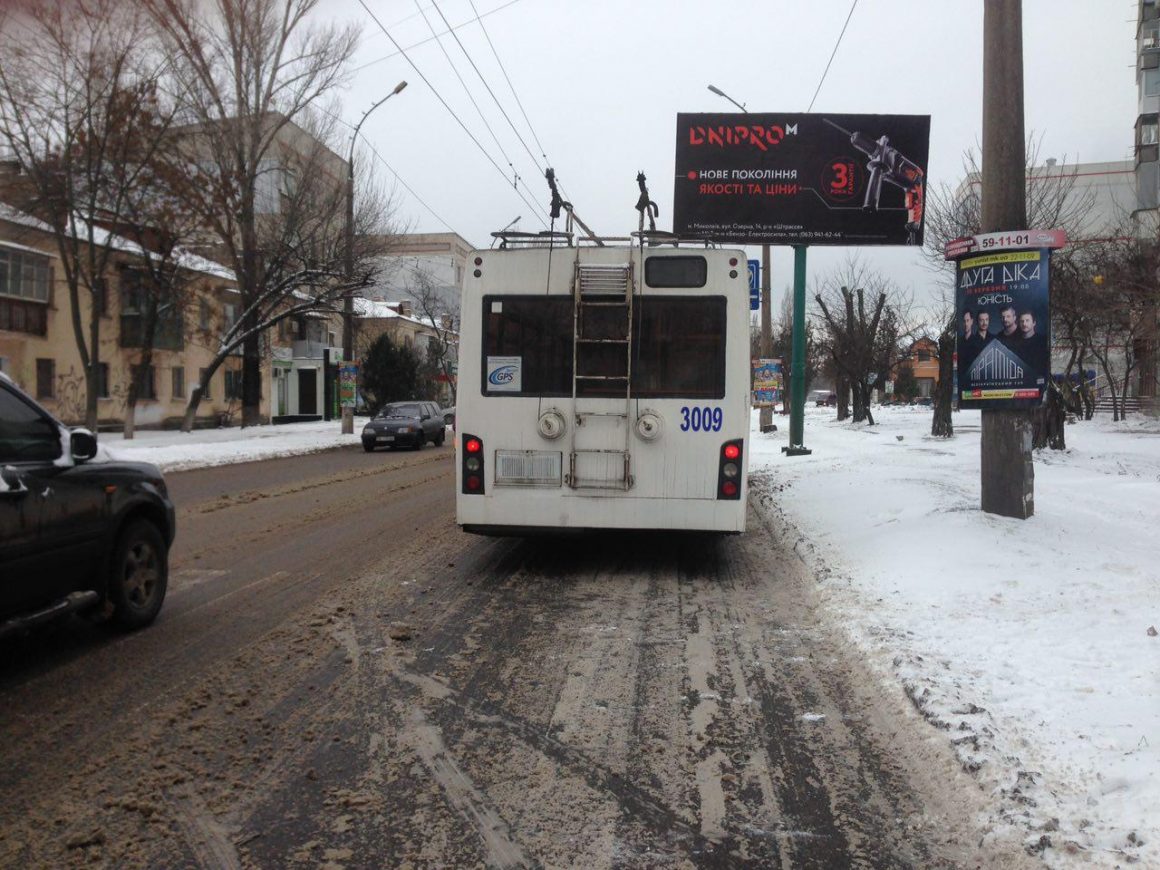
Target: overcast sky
602,83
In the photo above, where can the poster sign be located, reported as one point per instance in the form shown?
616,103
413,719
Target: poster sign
767,382
1003,317
505,374
347,384
798,179
754,285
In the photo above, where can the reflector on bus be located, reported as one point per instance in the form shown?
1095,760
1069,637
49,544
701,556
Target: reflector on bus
528,468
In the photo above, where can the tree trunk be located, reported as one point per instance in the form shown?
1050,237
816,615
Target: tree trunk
842,388
942,425
130,425
251,381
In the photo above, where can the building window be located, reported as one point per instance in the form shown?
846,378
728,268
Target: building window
1147,129
178,382
208,383
102,380
1151,82
203,315
45,378
24,276
146,382
233,384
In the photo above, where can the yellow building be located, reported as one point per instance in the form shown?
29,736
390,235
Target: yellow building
38,347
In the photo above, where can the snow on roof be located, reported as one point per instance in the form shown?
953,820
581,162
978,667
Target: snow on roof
184,259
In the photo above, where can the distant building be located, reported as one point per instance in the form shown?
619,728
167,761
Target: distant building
921,358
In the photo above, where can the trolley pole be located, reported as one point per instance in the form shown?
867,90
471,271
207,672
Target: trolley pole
1007,471
797,375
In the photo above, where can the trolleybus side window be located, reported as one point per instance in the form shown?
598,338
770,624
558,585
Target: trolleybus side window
678,347
676,271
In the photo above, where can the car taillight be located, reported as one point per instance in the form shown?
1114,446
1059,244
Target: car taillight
729,470
472,465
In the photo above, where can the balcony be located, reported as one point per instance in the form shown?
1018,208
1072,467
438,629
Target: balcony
308,349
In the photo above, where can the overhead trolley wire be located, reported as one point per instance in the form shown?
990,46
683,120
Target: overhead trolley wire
833,54
517,179
390,168
536,209
370,63
499,106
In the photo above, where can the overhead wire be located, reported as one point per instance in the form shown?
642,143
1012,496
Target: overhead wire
390,168
536,209
425,41
517,178
503,69
833,54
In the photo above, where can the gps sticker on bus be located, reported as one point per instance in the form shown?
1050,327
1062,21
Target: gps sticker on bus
503,374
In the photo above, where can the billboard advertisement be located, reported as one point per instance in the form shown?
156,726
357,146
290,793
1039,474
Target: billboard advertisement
1004,321
767,383
790,179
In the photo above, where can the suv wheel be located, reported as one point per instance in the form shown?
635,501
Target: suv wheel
138,575
439,438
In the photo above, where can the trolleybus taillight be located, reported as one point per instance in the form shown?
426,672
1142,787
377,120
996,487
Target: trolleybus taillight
729,471
472,465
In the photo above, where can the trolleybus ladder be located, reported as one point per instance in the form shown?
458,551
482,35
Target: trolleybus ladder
602,320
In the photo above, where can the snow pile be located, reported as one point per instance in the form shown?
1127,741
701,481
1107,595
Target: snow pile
1031,643
177,451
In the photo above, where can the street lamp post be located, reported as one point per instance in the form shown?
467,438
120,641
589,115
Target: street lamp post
766,418
348,266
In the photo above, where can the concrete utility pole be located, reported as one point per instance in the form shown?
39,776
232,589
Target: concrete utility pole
766,418
1008,476
348,302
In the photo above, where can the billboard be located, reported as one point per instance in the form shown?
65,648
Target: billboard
790,179
1004,321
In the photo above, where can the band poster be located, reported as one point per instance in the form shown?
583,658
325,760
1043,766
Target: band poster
1003,319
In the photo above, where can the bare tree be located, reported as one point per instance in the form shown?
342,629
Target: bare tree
442,314
862,340
79,111
248,73
1052,201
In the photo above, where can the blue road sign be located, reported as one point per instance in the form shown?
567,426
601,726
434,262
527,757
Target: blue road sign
754,285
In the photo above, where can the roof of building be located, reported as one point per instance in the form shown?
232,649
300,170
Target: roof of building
184,259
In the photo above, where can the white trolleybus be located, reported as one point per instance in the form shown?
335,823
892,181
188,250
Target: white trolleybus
602,386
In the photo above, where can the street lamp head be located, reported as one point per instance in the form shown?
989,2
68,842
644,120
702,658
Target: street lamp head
717,90
399,87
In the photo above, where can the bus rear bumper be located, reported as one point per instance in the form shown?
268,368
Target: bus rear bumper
524,514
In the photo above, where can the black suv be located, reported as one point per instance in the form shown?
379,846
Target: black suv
410,423
76,533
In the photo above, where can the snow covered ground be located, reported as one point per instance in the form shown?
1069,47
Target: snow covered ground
1030,643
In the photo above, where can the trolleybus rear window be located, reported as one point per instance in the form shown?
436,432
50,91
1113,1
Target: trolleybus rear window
676,271
678,347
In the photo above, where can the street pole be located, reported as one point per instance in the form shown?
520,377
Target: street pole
765,420
797,375
1007,471
348,265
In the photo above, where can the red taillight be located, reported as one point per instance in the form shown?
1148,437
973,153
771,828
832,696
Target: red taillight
471,465
729,470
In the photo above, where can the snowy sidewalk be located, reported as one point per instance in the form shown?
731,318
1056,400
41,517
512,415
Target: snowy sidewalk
1031,643
178,451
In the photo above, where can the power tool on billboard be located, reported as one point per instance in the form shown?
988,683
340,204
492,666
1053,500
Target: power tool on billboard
887,164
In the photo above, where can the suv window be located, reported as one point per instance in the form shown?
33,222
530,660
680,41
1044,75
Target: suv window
26,435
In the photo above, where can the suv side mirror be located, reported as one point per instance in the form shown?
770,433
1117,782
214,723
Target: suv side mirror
83,444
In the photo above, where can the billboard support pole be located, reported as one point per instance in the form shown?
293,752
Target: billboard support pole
765,417
797,374
1006,469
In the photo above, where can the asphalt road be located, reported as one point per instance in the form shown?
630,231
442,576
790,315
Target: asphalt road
341,678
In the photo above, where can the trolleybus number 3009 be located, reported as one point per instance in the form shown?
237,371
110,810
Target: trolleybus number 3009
701,419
